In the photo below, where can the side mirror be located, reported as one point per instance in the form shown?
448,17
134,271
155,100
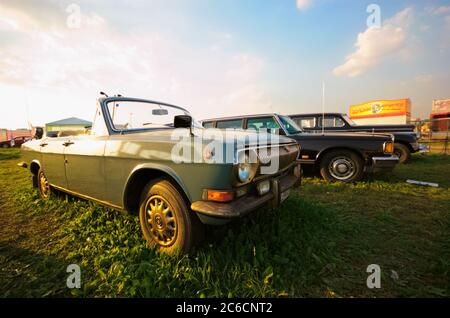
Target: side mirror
39,133
182,121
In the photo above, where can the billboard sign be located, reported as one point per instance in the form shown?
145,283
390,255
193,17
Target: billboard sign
381,108
441,106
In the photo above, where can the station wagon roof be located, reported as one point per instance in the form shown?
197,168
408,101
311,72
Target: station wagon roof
240,117
316,114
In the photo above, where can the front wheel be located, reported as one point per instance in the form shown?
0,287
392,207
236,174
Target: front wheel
402,152
342,165
43,185
166,221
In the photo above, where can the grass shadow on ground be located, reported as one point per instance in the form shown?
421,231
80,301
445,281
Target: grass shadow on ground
26,273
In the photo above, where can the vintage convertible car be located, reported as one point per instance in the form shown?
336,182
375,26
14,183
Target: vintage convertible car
126,161
337,156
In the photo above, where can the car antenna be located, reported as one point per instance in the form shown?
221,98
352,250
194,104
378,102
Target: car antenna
104,94
323,107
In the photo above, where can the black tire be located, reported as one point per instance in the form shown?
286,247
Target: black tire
45,190
342,165
402,152
5,146
166,220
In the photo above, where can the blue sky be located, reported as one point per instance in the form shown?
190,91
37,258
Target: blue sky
221,57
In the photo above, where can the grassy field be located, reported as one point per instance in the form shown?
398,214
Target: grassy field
318,244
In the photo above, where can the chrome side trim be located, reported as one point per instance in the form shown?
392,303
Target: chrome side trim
392,158
85,197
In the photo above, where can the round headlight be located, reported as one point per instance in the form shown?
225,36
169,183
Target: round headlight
244,172
246,169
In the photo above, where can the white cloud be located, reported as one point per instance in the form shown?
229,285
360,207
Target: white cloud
447,22
424,78
376,44
303,4
438,10
48,60
15,19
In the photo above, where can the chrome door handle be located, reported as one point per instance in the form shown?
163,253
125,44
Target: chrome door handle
68,143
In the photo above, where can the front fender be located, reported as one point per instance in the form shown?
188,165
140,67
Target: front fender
157,167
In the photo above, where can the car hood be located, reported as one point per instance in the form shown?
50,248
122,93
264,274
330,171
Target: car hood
253,139
249,139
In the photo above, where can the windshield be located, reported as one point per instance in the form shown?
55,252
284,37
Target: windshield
289,125
348,120
137,115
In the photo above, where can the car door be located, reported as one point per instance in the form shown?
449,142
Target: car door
85,160
52,151
84,164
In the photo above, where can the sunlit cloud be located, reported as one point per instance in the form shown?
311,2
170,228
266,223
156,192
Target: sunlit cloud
153,64
438,10
376,44
447,23
424,78
303,4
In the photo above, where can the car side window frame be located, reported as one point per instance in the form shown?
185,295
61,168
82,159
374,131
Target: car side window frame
212,123
275,120
230,120
334,117
300,118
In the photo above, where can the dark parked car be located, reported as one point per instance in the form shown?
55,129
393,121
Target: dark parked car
15,142
19,141
406,140
338,156
7,143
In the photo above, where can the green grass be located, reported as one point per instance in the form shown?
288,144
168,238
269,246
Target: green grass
318,244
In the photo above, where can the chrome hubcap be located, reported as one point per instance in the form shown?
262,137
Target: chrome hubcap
44,186
160,220
342,168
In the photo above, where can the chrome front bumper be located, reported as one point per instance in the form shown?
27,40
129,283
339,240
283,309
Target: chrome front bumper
280,189
423,149
383,163
417,147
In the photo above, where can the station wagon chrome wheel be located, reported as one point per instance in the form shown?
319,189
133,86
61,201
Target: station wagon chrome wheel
44,186
161,221
342,168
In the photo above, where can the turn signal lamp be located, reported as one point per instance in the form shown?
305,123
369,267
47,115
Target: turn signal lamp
220,196
389,147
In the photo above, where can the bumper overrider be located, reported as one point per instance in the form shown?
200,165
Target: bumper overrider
384,163
418,147
423,149
280,187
